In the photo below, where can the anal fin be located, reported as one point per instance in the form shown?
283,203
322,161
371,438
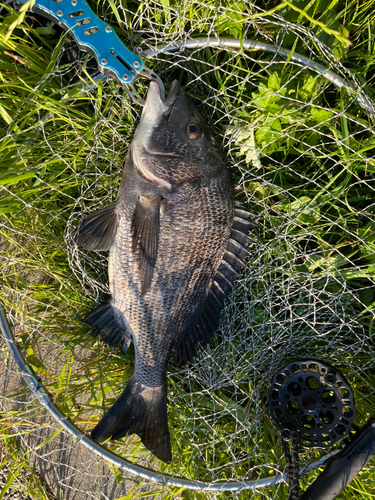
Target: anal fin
111,322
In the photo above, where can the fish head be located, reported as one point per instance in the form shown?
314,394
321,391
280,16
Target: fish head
173,143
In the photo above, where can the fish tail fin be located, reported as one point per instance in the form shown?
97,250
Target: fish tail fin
141,410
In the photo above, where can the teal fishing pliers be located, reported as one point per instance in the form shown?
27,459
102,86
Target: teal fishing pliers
99,39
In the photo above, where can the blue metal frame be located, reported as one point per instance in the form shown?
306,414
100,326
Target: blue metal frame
94,36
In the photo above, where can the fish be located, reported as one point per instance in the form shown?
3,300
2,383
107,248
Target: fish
176,240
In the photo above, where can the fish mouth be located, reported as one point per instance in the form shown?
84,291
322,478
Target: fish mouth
155,105
155,113
174,92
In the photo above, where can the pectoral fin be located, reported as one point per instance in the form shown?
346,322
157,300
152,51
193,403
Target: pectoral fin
97,230
145,233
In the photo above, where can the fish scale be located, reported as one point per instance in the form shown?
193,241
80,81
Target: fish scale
172,230
179,285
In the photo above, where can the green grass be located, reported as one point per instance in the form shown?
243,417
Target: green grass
22,478
302,154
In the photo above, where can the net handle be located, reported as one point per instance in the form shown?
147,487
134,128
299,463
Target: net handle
167,479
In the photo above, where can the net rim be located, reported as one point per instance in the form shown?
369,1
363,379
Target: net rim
32,381
167,479
248,44
233,43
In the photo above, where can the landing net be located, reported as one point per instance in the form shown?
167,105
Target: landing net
301,153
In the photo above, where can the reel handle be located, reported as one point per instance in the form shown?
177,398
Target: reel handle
342,469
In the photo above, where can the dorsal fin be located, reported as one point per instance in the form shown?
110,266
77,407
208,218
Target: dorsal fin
145,237
221,280
237,249
227,270
208,321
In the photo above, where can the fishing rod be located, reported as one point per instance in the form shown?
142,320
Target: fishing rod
313,405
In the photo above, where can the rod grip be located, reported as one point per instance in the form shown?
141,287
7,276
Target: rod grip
341,470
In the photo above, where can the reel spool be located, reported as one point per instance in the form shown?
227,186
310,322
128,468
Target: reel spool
314,400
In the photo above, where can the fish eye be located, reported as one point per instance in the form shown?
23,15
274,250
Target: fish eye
193,130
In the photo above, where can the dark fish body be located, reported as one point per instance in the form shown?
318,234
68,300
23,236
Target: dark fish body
175,241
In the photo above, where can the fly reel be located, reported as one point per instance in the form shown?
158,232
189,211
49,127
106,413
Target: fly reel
313,400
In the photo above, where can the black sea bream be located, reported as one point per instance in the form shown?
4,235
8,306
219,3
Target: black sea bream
176,241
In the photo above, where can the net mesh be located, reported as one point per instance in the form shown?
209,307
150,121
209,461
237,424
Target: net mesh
301,156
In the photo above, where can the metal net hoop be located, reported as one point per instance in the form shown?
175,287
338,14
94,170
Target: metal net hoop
300,294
